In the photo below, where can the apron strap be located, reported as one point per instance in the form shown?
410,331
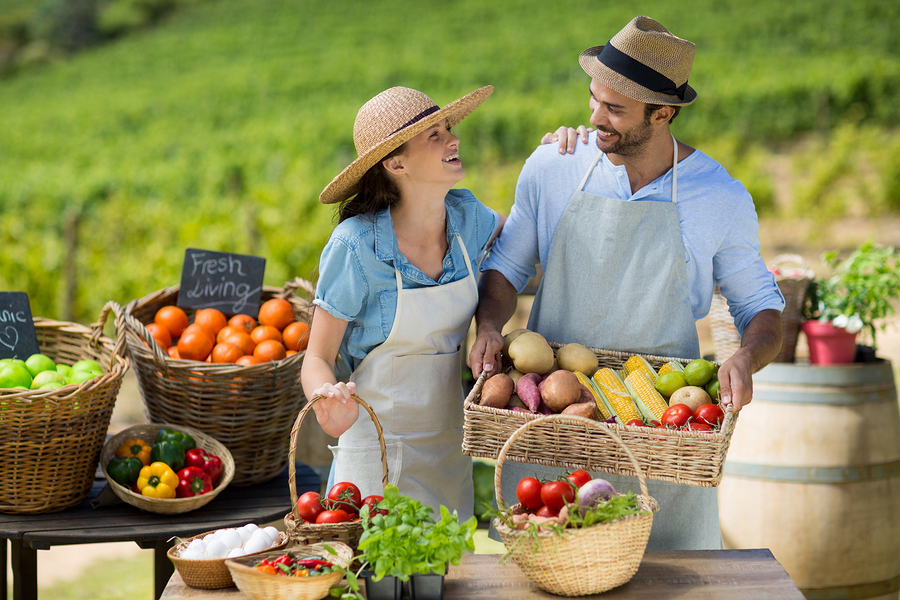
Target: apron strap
675,171
589,171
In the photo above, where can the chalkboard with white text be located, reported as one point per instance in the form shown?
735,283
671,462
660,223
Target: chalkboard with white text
18,338
229,282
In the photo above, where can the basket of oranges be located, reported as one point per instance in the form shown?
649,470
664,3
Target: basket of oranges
233,377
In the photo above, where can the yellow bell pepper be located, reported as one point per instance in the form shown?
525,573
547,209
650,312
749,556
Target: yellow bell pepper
157,480
137,448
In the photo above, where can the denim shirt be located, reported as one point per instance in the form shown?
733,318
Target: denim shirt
357,281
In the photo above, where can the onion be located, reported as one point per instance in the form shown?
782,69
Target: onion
593,493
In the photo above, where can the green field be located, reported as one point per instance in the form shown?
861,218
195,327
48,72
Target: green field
218,127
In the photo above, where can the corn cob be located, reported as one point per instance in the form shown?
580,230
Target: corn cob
611,387
649,402
599,400
672,365
639,363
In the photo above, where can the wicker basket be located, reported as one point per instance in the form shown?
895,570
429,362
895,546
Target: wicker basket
167,506
250,409
211,574
310,533
688,457
582,561
262,586
793,277
51,439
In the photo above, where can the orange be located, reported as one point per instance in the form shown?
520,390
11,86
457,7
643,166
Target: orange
225,353
290,353
172,318
210,319
248,360
161,334
173,352
265,332
193,327
296,336
269,350
195,345
225,332
242,340
245,323
276,312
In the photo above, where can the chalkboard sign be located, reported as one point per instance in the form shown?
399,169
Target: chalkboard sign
17,336
229,282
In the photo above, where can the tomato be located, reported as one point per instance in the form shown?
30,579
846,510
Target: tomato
555,494
529,493
333,516
677,415
636,423
372,502
309,505
710,414
345,496
546,511
654,423
579,478
695,426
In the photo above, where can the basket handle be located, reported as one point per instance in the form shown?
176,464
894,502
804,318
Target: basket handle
295,284
295,432
119,347
159,356
568,419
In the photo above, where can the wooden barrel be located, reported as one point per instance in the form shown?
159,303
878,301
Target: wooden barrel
813,474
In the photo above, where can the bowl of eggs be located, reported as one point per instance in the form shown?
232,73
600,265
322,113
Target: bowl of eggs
200,560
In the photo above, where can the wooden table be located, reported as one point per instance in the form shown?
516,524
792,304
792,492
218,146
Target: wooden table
706,574
120,522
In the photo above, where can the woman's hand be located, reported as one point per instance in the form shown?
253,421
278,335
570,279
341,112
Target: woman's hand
566,136
336,412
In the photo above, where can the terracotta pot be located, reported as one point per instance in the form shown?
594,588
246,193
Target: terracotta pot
829,345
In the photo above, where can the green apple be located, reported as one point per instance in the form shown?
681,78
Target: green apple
88,365
81,376
45,377
53,385
39,362
14,375
66,370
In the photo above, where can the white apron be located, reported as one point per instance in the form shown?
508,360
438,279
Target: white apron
616,279
413,382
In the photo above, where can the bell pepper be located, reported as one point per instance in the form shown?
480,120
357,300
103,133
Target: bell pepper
138,448
158,480
124,470
193,481
167,435
169,452
210,463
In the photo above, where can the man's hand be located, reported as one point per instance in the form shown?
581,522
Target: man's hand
496,304
760,344
485,352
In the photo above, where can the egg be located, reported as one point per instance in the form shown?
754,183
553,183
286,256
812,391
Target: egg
245,534
255,544
197,544
272,533
190,554
216,549
251,527
231,539
235,552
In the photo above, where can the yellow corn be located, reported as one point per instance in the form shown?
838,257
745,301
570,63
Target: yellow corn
639,363
610,385
595,393
670,366
649,401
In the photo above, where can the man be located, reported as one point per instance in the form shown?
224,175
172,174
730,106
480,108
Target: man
632,241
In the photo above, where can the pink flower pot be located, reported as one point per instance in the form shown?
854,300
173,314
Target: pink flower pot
829,345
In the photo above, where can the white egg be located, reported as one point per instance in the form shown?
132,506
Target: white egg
245,534
250,527
197,544
255,544
231,538
216,549
272,533
235,552
191,554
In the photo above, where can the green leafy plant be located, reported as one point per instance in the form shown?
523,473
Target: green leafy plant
860,290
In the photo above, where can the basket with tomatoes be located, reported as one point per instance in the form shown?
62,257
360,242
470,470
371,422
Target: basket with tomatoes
234,376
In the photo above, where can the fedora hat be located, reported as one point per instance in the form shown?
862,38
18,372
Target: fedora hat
388,120
644,62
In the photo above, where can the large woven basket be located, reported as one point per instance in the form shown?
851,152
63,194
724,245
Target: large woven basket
250,409
688,457
167,506
580,561
262,586
793,276
211,574
311,533
50,440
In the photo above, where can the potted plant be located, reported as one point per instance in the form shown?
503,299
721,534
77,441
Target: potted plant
401,542
858,294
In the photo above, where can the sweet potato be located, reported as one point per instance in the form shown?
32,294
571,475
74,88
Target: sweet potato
560,389
582,409
527,390
497,390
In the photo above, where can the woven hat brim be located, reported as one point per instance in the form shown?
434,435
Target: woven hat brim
597,70
346,183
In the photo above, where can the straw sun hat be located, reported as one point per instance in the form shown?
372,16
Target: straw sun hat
644,62
388,120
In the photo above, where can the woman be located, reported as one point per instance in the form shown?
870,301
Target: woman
396,293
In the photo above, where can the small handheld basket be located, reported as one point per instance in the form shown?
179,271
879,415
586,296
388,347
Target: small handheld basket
583,561
51,439
249,409
311,533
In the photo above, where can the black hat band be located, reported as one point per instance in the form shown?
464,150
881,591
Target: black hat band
639,73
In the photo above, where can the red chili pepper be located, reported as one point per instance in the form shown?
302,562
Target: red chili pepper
284,559
312,563
210,463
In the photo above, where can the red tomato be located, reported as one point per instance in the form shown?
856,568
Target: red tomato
579,478
555,494
345,496
655,423
710,414
529,493
372,502
677,415
636,423
695,426
333,516
546,511
309,505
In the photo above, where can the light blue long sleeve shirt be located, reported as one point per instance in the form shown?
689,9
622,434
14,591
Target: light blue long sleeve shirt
718,220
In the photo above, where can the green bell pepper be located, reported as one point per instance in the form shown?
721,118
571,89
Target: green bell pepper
169,435
124,470
170,452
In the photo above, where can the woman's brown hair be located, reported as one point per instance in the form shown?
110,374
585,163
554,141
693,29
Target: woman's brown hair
376,191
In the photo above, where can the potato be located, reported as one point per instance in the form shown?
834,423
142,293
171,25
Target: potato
582,409
577,357
560,389
509,337
516,402
514,374
690,395
530,353
496,391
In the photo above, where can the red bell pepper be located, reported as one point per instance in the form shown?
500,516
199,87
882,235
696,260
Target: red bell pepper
210,463
193,481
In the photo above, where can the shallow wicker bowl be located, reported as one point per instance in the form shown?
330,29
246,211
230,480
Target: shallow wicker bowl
166,506
211,574
262,586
